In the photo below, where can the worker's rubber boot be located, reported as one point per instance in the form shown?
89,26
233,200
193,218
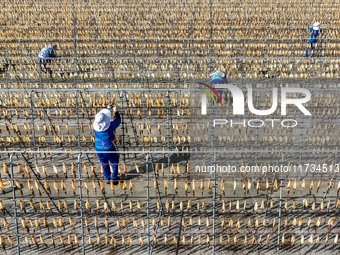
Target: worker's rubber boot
306,55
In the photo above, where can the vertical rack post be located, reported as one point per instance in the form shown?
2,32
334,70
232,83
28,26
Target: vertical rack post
210,39
147,201
279,221
33,127
213,147
123,123
77,112
81,203
178,81
214,201
168,121
15,203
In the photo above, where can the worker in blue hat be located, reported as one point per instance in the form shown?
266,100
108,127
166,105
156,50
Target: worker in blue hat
105,141
315,29
45,57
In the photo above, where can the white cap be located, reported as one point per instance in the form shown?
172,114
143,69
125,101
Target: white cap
102,120
316,26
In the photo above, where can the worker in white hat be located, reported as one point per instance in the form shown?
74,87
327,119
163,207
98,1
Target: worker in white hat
104,132
46,55
315,29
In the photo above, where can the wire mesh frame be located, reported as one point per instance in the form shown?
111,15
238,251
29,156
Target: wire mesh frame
78,92
281,152
214,197
283,70
168,152
74,63
147,158
236,3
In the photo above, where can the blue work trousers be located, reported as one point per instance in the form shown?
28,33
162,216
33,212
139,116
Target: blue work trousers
106,159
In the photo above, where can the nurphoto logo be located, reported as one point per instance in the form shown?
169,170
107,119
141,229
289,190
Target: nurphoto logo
238,104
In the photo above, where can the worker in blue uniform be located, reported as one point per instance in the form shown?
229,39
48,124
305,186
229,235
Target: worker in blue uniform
45,56
220,77
315,29
105,141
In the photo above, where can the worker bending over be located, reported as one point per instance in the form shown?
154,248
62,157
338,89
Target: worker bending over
220,77
45,56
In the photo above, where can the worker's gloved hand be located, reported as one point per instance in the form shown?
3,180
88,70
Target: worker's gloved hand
117,115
